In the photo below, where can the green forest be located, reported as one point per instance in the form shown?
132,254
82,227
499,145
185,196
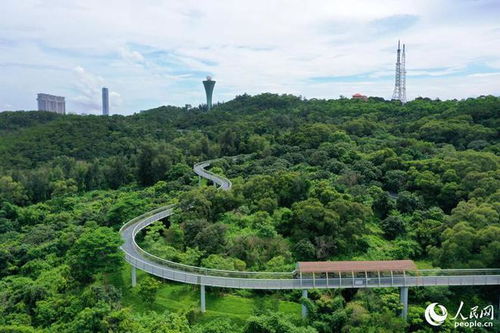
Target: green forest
313,180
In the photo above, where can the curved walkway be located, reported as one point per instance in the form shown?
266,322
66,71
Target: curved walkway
170,270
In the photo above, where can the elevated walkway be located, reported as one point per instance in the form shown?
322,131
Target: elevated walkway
140,259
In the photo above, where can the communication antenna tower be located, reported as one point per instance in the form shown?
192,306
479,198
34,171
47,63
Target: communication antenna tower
400,79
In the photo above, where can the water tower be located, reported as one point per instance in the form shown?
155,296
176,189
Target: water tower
209,85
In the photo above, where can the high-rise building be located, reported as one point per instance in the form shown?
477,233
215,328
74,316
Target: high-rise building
51,103
105,102
209,89
400,79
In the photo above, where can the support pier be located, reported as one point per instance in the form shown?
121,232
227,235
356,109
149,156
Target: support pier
134,276
203,307
304,308
403,297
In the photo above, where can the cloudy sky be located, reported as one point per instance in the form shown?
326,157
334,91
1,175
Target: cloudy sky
156,52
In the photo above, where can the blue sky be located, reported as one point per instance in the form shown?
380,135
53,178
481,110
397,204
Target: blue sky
156,52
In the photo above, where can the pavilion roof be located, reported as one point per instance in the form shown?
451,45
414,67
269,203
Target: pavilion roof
356,266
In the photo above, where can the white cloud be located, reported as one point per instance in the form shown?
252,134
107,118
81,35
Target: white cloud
131,56
115,100
88,87
484,74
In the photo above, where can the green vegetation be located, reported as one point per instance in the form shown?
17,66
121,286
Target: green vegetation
312,180
177,297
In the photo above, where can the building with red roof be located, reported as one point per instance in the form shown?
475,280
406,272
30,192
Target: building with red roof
359,96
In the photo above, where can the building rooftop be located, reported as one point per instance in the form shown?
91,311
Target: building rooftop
356,266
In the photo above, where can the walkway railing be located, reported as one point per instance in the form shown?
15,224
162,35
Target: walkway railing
168,269
166,211
199,169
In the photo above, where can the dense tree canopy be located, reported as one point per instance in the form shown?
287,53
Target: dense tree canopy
312,180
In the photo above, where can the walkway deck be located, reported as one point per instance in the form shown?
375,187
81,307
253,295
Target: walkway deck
170,270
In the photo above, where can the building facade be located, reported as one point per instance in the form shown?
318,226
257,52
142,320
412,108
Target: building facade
105,102
51,103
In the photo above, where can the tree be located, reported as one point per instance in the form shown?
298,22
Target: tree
393,226
147,289
326,311
95,251
219,262
312,218
153,163
117,172
457,246
64,187
167,322
291,187
217,325
174,236
274,323
212,238
395,180
181,173
192,228
464,246
11,191
196,203
383,204
312,135
304,250
408,202
258,144
428,232
228,142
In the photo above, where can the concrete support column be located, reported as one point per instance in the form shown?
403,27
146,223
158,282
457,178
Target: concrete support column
134,276
403,296
304,308
202,298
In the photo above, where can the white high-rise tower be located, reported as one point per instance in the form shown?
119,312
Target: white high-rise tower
105,102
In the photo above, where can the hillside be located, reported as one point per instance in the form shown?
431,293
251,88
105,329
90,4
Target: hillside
313,180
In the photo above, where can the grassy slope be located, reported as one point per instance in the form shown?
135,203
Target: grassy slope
176,297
